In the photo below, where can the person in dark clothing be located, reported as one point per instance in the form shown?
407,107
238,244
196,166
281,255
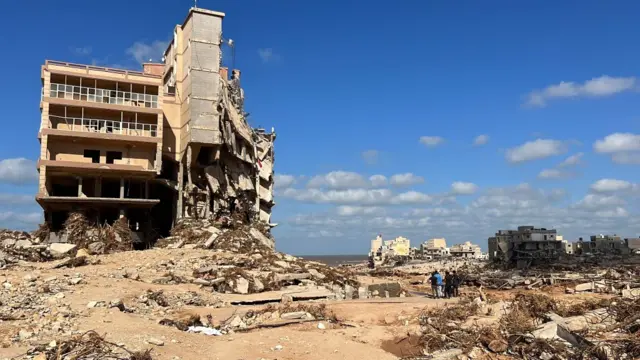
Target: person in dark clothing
456,284
448,284
434,284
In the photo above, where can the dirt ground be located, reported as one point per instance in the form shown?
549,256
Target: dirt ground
366,328
364,324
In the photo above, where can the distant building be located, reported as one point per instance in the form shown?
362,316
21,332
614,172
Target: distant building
399,246
466,250
603,244
434,248
376,244
525,246
633,244
436,243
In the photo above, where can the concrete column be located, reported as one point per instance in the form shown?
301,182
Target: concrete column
180,189
206,209
189,154
146,189
80,194
98,188
121,188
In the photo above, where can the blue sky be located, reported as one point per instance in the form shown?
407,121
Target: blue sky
362,88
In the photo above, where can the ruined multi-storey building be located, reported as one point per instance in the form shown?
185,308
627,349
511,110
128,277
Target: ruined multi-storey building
155,146
467,250
602,244
525,246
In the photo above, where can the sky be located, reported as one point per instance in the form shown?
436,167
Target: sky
414,118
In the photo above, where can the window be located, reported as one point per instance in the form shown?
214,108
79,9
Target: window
94,155
112,156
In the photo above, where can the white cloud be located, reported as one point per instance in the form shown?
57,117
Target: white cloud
325,234
618,142
599,201
596,87
406,179
338,180
20,221
268,55
17,199
412,197
612,185
431,141
494,208
370,156
378,180
346,210
463,188
572,160
534,150
554,174
143,52
624,148
481,140
281,181
18,171
349,196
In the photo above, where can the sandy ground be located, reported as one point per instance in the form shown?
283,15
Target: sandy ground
371,321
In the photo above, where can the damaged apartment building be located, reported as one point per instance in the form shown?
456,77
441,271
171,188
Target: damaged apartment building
155,146
526,246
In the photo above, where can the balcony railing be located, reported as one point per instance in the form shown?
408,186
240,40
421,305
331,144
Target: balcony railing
104,96
101,126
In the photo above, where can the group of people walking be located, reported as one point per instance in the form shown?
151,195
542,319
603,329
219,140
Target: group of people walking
447,287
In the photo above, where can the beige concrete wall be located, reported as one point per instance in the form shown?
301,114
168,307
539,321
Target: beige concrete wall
172,130
184,65
95,72
65,151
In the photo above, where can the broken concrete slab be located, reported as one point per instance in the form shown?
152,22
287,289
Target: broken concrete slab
294,315
555,331
215,232
590,286
61,249
394,288
292,277
262,238
631,293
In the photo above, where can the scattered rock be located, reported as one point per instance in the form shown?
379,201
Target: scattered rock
321,326
278,347
154,341
60,249
242,286
82,252
498,346
96,248
294,315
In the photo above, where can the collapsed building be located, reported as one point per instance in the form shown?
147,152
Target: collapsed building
603,244
434,248
466,250
526,246
156,146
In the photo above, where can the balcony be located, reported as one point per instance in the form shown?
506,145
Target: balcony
103,96
101,126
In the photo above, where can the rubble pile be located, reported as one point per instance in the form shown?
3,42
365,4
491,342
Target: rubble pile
278,315
20,245
535,326
245,261
88,345
36,309
96,238
79,233
228,233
